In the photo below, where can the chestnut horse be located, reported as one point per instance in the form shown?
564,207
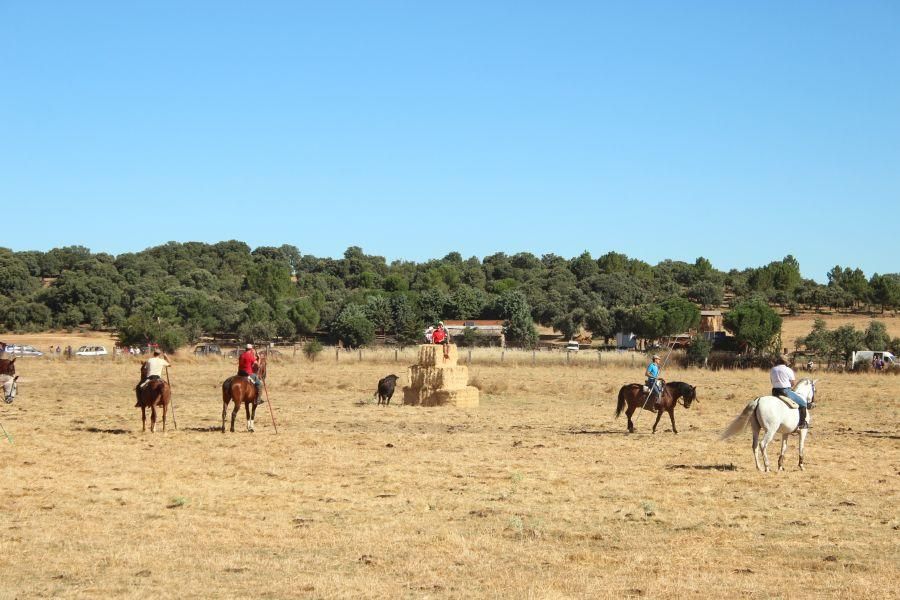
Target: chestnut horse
7,366
635,396
156,393
242,391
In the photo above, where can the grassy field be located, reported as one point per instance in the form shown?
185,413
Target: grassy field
537,493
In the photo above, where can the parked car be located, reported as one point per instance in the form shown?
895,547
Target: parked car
572,346
207,349
23,350
91,351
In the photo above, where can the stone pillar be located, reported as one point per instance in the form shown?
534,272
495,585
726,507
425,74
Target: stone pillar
439,381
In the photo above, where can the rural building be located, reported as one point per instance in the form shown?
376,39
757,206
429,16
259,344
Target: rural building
485,328
711,321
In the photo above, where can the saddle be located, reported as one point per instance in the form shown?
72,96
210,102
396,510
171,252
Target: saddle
790,403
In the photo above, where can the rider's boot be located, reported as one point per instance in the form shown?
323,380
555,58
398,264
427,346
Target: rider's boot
803,424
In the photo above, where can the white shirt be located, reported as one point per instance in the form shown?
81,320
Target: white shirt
781,376
155,366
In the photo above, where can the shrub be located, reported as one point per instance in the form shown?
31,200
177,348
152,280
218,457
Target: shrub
312,349
698,350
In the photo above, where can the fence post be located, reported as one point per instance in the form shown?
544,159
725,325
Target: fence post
396,352
599,357
632,359
532,357
502,356
568,352
337,354
360,355
470,357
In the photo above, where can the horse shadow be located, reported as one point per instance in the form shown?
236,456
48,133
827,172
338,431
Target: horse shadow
722,467
100,430
208,429
596,432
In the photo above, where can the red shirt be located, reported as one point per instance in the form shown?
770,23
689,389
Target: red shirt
247,362
438,336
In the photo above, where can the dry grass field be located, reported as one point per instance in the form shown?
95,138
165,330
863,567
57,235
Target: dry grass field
538,493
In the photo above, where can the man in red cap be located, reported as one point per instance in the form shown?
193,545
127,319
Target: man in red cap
248,365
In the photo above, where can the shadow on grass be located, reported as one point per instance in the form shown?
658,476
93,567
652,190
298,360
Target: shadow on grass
210,429
881,434
598,432
728,467
99,430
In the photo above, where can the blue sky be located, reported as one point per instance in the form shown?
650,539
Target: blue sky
738,131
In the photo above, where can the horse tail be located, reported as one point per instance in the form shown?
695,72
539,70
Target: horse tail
740,421
226,391
621,403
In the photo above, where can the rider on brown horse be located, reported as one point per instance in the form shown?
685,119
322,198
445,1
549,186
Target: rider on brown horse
248,366
152,369
654,385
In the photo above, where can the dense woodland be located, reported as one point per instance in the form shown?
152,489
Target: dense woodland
178,292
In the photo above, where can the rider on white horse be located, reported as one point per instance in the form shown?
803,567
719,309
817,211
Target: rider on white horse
783,380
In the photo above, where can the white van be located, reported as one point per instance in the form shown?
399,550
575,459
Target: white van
572,346
866,356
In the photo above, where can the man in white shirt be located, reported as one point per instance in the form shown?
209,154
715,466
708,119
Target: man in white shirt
151,369
783,380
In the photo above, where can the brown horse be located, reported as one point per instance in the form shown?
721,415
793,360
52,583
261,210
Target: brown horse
635,396
242,391
7,366
156,393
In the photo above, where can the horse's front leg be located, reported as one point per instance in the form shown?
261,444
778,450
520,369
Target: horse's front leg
153,417
803,433
672,418
253,417
249,418
165,410
658,417
784,444
143,418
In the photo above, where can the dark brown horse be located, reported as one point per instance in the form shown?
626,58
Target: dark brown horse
156,393
7,366
635,396
242,391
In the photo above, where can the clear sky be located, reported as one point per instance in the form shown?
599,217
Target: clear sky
738,131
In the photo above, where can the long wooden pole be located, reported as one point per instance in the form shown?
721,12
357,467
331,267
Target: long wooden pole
174,420
269,402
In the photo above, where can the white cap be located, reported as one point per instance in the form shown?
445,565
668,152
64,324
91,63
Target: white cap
249,346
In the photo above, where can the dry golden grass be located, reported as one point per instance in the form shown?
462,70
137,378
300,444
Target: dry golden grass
537,493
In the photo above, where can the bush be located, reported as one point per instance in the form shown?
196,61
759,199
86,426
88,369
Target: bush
312,349
698,351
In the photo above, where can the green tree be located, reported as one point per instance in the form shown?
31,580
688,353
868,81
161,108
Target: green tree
876,336
698,350
754,323
601,323
706,293
352,327
885,290
304,316
518,326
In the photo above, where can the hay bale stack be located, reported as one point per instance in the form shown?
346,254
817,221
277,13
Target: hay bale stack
439,381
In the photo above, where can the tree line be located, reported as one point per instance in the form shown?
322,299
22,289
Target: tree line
177,292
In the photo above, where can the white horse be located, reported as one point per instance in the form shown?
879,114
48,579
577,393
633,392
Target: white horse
773,415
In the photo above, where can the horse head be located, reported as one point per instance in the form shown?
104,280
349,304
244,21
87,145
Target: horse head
807,389
689,393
